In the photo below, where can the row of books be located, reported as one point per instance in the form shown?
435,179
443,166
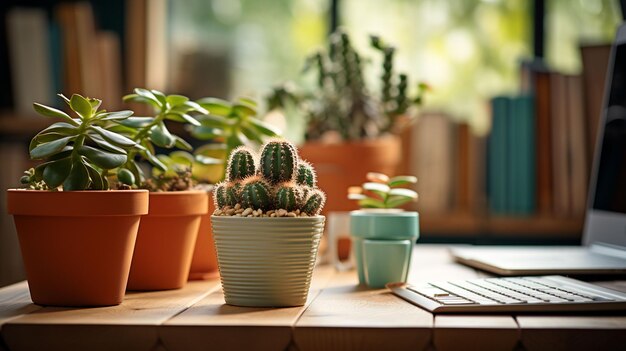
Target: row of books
66,48
536,157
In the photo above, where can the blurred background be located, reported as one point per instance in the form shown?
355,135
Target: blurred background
481,179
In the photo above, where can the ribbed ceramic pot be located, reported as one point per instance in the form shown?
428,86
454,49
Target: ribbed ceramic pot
267,261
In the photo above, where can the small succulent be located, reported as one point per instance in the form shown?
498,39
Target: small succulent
80,152
381,191
151,132
277,184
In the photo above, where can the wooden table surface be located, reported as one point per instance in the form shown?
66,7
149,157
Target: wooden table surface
339,315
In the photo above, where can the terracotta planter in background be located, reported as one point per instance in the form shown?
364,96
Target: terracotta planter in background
166,240
204,261
340,166
77,245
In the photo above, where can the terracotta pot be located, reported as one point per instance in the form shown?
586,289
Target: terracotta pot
340,166
204,261
77,245
166,240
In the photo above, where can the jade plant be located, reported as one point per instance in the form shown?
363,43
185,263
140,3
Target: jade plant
381,191
277,184
342,101
152,132
80,152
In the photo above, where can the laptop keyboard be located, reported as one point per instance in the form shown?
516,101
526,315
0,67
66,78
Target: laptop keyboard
499,291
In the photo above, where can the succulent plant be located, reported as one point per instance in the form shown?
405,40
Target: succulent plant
342,101
80,152
381,191
241,164
278,162
274,186
256,193
151,132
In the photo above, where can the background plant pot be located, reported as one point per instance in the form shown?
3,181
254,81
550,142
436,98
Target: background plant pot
267,262
77,245
340,166
204,261
166,240
383,245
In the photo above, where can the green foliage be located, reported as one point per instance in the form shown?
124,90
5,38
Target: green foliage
274,186
241,164
306,174
279,161
383,192
79,152
151,132
342,101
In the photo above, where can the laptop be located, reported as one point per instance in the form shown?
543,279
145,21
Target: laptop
604,235
604,239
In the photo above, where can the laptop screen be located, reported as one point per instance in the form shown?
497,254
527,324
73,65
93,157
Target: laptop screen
610,192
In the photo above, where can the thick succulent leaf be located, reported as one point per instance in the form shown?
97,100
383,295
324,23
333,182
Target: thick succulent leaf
60,127
141,99
408,193
175,100
147,94
371,203
250,133
81,106
49,148
244,110
96,138
95,103
402,180
136,171
196,107
102,159
53,112
182,157
137,122
159,96
206,160
377,177
125,176
379,188
55,173
182,118
67,101
395,201
353,196
215,121
182,144
162,137
153,160
248,102
265,128
115,116
206,133
217,107
78,178
114,138
97,182
44,138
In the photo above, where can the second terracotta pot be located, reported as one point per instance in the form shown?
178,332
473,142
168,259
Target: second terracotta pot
204,261
166,240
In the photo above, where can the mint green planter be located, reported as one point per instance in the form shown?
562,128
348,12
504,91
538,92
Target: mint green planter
382,244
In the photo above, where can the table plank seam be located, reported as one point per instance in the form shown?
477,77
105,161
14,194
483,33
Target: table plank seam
191,304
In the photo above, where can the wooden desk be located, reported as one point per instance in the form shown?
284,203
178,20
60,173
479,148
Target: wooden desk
339,316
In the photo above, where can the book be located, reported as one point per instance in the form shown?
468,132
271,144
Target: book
29,53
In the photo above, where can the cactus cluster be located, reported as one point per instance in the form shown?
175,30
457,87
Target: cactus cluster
278,182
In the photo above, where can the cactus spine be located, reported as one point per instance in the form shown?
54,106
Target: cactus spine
256,193
278,161
306,174
314,202
226,194
241,164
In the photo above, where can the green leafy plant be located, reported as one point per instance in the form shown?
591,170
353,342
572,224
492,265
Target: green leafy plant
79,152
281,184
231,123
151,132
383,192
342,101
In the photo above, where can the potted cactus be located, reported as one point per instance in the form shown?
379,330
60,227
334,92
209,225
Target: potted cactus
167,235
267,226
345,117
383,235
76,235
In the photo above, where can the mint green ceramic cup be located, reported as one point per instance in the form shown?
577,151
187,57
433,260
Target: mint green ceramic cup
383,244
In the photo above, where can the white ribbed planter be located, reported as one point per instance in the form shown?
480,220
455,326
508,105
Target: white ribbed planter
266,261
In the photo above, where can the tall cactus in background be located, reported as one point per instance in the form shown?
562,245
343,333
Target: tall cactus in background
241,164
278,161
283,185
